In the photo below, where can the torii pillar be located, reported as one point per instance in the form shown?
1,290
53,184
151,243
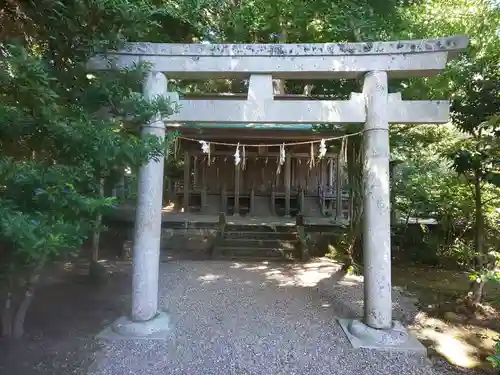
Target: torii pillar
145,319
375,108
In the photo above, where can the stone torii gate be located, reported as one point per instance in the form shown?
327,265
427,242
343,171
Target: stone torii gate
375,62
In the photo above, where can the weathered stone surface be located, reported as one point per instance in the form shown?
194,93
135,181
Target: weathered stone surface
396,337
289,61
393,336
187,239
187,243
146,248
376,204
157,328
269,111
260,108
453,43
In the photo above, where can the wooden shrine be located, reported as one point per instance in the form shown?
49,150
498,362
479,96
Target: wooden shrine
260,184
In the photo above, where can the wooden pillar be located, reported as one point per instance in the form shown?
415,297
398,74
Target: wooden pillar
204,187
302,201
273,199
195,171
237,169
329,182
252,200
170,192
340,176
330,172
322,188
323,172
224,199
287,184
187,180
263,184
308,175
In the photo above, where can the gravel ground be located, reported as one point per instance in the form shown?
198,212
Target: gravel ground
243,318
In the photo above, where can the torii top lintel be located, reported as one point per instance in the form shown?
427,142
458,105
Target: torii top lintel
289,61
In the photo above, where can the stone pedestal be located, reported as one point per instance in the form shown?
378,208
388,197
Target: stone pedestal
157,328
395,338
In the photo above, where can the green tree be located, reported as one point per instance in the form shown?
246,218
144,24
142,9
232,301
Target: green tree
477,159
63,129
473,84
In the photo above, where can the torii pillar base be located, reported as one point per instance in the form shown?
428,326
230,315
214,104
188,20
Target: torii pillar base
396,338
157,328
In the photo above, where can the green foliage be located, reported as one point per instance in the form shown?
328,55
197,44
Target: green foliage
495,358
442,167
63,129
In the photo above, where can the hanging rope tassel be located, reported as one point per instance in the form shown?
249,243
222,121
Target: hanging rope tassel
345,142
243,165
272,144
342,152
237,158
209,161
205,148
342,161
282,158
322,149
311,159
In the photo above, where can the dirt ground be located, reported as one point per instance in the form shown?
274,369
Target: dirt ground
68,311
443,325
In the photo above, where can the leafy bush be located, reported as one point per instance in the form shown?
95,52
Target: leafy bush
62,131
495,358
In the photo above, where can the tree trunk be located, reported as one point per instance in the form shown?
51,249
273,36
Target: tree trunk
7,315
95,241
18,321
94,268
355,186
13,318
476,288
476,293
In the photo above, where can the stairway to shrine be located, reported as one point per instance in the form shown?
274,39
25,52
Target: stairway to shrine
262,206
257,242
312,207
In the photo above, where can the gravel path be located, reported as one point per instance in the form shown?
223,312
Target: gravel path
241,318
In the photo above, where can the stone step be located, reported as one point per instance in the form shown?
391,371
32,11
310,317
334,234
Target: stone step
287,244
261,235
242,258
249,228
251,252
